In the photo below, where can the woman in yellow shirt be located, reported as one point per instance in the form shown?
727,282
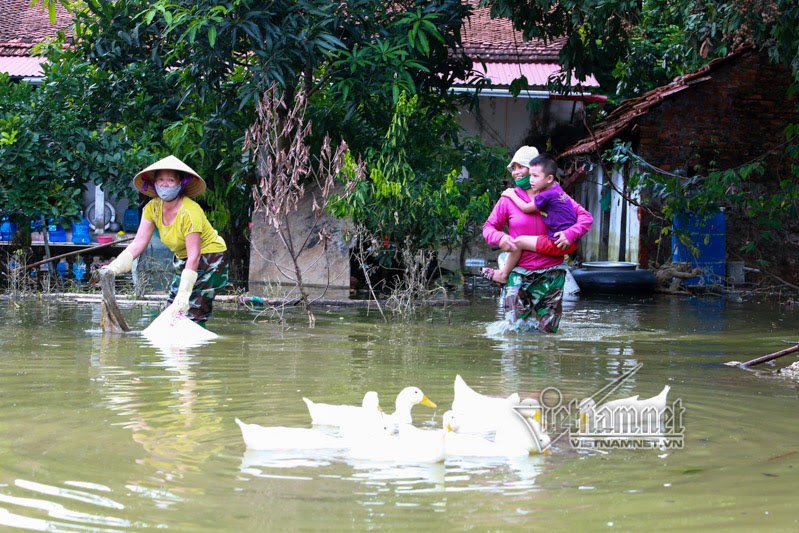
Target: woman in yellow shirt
200,261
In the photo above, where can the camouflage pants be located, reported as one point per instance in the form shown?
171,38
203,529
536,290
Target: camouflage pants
537,303
212,275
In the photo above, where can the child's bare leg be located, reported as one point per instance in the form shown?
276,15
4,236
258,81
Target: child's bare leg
526,242
501,276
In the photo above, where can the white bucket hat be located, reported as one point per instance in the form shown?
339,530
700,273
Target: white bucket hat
523,156
143,181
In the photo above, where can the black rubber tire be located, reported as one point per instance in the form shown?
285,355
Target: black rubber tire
640,281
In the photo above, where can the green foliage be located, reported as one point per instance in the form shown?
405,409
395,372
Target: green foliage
413,49
189,74
78,150
638,45
423,202
662,46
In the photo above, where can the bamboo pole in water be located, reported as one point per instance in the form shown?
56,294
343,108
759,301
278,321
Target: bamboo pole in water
770,356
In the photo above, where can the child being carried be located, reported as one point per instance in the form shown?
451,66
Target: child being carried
548,198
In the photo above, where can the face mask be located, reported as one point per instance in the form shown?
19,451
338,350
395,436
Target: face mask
523,183
168,194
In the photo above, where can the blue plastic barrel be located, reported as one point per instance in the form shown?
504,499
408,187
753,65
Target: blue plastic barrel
7,229
708,234
63,268
80,232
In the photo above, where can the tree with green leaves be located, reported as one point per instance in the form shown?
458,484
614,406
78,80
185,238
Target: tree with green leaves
643,44
189,74
47,142
412,191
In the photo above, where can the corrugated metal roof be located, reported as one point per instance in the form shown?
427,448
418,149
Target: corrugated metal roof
537,74
22,67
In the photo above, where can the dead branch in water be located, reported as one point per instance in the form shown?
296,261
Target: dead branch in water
770,357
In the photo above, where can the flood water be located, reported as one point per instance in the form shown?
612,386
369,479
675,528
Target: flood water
104,432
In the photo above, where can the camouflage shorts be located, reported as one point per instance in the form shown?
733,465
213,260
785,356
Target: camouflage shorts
538,303
212,275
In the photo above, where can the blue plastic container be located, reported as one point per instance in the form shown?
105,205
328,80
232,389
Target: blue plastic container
80,232
708,234
131,219
7,229
79,269
63,268
58,235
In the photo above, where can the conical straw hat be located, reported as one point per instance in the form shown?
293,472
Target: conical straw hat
144,180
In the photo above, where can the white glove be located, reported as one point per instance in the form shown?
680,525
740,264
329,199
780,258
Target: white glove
123,263
181,302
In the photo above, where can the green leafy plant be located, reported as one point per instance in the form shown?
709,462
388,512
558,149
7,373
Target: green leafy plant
417,193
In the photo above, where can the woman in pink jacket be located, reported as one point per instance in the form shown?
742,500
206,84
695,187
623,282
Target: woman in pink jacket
540,295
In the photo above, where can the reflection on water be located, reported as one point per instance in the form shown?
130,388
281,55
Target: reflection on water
457,474
108,432
161,404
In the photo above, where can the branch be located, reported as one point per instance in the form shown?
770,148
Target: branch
770,357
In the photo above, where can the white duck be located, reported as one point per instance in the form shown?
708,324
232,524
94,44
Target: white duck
518,426
657,402
406,399
476,412
326,414
469,445
287,438
408,444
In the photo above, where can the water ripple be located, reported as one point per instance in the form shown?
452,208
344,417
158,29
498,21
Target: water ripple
60,517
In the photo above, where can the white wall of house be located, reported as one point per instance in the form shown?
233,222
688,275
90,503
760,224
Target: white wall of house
507,121
324,264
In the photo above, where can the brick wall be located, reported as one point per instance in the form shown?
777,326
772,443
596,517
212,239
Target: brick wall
737,115
729,119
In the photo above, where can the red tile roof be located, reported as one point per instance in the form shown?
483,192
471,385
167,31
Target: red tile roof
500,54
623,117
22,27
488,39
22,24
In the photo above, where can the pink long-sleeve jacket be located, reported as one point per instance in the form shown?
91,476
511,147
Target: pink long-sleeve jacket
506,214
